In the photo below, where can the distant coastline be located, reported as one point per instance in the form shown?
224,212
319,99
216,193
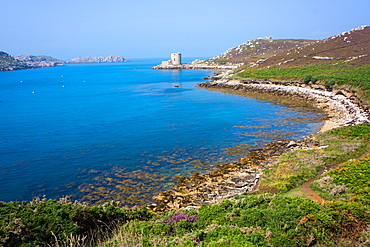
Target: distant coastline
9,62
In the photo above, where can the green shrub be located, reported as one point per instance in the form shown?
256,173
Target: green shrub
314,79
307,79
329,83
43,222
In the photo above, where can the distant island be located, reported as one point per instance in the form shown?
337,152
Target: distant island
9,62
109,59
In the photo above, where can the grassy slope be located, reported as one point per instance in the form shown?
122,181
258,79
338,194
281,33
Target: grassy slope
254,50
276,219
347,63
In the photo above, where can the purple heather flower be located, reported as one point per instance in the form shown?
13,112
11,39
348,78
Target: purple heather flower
192,218
176,217
197,239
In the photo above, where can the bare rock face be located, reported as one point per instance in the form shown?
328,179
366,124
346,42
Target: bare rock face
109,59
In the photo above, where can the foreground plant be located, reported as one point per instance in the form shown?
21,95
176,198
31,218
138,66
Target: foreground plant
42,222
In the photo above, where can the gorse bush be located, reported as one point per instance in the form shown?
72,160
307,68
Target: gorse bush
307,79
42,222
356,176
258,220
329,83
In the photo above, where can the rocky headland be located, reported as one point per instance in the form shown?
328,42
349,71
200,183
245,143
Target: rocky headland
39,61
197,66
200,64
9,63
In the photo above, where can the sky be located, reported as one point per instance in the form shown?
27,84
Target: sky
67,29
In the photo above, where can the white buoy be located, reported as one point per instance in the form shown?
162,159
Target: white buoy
33,91
63,86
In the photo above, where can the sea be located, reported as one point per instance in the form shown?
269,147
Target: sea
125,132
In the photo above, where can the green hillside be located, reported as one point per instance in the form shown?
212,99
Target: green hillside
343,60
258,49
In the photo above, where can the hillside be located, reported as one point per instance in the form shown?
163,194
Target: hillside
37,58
350,47
39,61
7,62
254,50
341,61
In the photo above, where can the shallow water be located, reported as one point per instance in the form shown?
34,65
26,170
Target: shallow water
123,131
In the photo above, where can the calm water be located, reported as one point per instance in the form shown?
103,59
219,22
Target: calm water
122,131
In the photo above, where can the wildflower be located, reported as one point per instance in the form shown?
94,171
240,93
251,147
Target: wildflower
192,218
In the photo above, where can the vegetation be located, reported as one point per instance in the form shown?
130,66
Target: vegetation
258,220
327,74
254,50
342,60
272,216
42,222
269,217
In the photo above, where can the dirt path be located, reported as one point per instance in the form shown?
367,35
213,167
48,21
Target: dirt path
306,186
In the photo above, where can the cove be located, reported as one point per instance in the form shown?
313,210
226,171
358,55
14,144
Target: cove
122,131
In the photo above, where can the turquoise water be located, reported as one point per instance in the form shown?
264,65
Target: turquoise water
122,131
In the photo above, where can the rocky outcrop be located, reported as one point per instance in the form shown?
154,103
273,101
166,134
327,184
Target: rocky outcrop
196,66
226,180
109,59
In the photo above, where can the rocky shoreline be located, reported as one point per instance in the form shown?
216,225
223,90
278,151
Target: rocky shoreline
343,109
196,67
226,180
342,106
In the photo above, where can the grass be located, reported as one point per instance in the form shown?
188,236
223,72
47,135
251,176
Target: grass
357,77
282,218
257,220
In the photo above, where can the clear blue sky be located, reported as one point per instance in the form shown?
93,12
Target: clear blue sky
142,29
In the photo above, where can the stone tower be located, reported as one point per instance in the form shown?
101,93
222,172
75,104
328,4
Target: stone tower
176,58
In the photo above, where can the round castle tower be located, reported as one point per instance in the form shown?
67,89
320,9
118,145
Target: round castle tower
176,58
